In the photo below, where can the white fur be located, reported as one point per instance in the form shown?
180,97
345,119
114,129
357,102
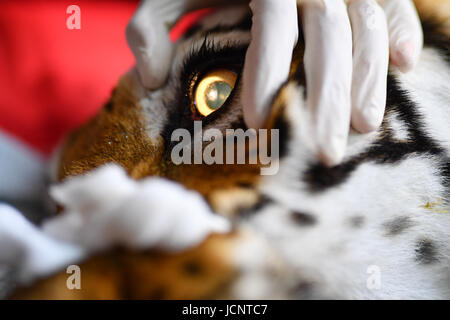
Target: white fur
398,127
336,257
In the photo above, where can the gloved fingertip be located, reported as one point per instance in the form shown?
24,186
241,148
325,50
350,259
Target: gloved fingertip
367,125
330,159
152,49
332,152
403,55
149,81
251,117
367,119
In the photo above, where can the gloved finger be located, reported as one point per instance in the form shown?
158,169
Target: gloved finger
268,59
148,37
370,64
405,33
328,69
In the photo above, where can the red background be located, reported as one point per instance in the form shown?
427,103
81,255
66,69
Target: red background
53,79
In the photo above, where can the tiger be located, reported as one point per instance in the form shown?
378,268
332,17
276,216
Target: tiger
375,226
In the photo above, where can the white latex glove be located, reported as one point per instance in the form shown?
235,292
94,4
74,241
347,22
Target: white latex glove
338,40
148,36
346,62
405,33
328,75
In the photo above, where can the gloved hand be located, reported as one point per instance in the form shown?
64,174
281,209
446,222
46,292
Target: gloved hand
338,39
148,35
335,95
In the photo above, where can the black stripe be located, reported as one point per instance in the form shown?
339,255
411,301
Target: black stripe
303,219
262,202
426,251
386,150
397,225
435,37
299,75
284,128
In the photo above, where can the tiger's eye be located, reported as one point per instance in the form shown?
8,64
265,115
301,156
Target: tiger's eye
213,91
217,93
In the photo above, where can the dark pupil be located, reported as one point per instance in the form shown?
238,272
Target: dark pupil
216,94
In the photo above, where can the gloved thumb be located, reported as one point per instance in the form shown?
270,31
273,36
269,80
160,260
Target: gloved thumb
405,33
148,37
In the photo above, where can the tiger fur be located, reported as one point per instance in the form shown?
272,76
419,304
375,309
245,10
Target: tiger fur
308,232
